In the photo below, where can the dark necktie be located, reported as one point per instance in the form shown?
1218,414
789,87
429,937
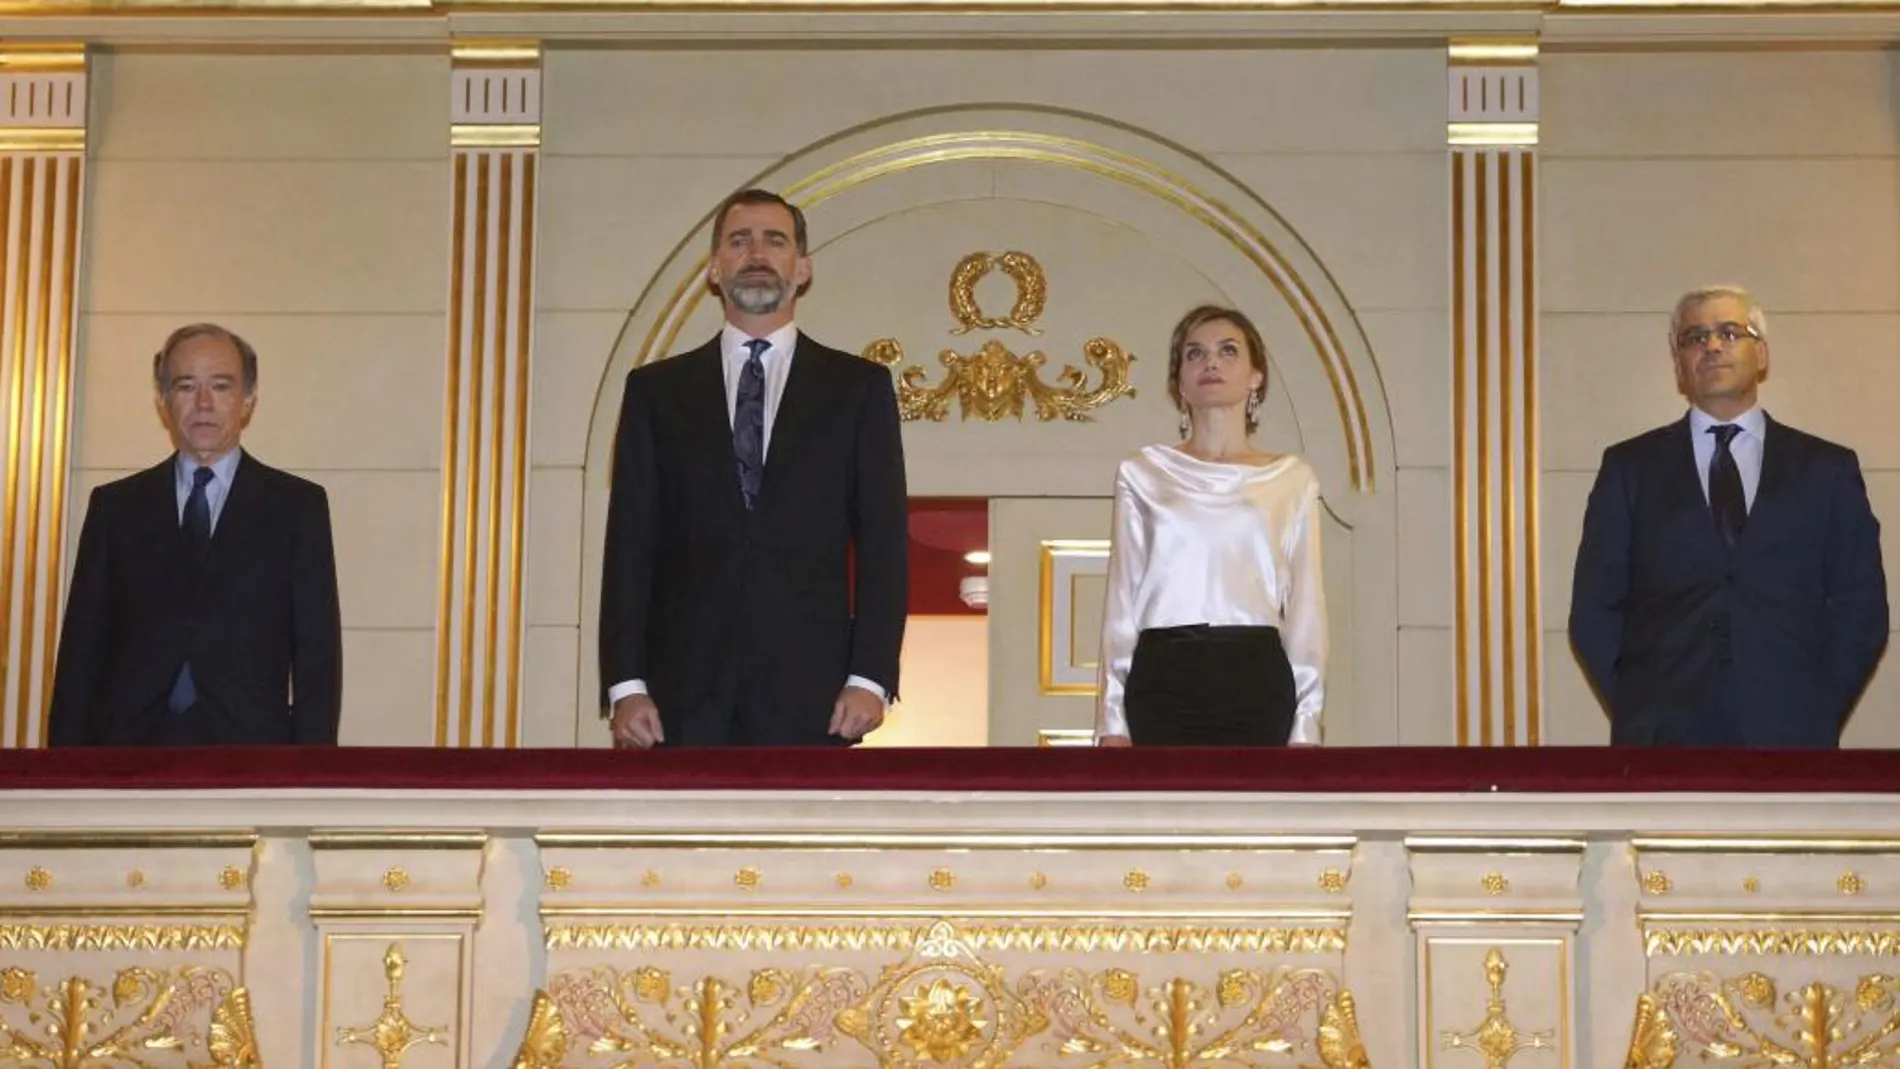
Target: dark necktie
748,423
197,532
1726,500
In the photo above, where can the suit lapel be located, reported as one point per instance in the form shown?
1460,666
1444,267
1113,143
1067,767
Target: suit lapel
703,383
1686,480
243,505
158,502
1778,464
799,408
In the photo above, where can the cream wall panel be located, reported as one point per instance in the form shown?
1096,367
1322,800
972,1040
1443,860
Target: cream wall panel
195,106
550,699
1248,100
607,223
1425,526
946,684
571,368
386,525
1605,377
1572,714
1413,350
387,685
334,392
1727,104
1377,220
302,236
1805,235
1426,714
1562,496
554,547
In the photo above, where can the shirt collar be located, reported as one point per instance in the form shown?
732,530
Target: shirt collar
1754,423
732,342
223,469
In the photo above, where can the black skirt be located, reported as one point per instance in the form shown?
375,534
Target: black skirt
1201,685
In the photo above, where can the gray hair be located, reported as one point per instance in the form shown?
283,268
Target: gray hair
1757,318
246,354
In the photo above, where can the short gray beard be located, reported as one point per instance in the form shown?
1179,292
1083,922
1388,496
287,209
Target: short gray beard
758,297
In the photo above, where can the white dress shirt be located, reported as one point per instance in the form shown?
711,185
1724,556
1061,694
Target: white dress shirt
777,360
223,470
1746,447
1211,542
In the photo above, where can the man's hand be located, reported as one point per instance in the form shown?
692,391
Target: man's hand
857,713
1113,740
636,723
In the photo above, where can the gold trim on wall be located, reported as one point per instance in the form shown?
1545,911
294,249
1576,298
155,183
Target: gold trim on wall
1078,937
66,937
936,841
126,840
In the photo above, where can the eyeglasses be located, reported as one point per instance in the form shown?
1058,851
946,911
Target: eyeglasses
1729,333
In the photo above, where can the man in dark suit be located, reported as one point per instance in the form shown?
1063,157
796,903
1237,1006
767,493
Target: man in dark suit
754,587
1729,589
203,608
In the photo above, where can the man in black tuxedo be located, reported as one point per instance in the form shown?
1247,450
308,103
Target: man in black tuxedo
754,587
203,608
1729,589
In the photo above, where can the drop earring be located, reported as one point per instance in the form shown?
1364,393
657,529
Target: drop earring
1186,425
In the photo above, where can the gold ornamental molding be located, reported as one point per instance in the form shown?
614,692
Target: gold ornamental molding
1770,942
938,841
1496,1038
392,1033
944,1006
1748,1019
993,382
77,1024
115,937
1077,937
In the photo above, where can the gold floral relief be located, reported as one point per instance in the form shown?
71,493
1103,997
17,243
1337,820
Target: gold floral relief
392,1033
1679,942
1080,937
1496,1038
1750,1020
144,1019
994,382
122,936
945,1007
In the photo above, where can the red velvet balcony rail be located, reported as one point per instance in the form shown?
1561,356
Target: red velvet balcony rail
1345,770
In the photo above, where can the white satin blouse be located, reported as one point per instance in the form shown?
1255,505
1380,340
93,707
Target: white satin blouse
1212,542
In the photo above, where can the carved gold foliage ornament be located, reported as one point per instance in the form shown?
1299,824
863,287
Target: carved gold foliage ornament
143,1020
994,382
1496,1038
122,937
942,1007
392,1033
1669,942
1749,1021
1083,938
1657,882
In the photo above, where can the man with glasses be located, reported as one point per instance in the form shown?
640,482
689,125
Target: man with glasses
1728,588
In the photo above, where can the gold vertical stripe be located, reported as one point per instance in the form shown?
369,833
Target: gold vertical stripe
1460,475
1507,452
517,511
1482,285
22,238
1533,607
74,166
36,467
478,341
505,162
451,426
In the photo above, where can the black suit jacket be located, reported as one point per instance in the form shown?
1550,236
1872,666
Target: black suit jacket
812,584
1690,643
256,621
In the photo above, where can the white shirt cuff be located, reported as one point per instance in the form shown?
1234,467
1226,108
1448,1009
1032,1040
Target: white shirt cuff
621,690
870,685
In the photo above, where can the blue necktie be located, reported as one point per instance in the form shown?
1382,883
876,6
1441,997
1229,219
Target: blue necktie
748,423
1726,499
197,532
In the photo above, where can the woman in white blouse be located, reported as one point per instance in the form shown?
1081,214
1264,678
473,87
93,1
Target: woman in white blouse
1214,632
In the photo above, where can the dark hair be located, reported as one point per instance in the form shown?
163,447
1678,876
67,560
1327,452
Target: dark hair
1214,313
246,354
760,196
